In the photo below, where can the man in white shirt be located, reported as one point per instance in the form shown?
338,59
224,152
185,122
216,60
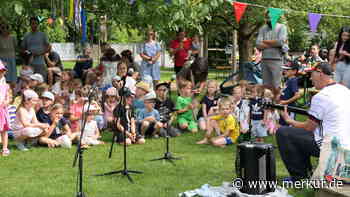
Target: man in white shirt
328,116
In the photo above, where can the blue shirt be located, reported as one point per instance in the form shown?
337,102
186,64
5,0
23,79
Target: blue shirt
290,89
143,113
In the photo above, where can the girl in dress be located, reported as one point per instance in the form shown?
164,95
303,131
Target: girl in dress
271,116
91,131
109,105
4,118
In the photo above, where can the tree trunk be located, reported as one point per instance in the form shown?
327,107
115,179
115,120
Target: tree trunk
245,50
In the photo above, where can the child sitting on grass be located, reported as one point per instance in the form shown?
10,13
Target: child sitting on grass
91,132
185,108
209,103
149,118
227,124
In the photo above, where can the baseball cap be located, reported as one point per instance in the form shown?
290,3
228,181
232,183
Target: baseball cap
166,84
37,77
323,67
116,78
112,91
150,96
91,107
26,73
2,66
30,94
48,95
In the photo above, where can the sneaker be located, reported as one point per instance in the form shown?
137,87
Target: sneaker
21,146
5,152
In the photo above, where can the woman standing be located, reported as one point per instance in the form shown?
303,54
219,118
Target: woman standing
7,53
342,57
150,54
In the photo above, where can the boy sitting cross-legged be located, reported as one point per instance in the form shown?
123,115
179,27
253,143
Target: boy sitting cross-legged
227,124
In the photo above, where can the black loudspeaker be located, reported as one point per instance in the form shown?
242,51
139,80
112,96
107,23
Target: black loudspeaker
255,163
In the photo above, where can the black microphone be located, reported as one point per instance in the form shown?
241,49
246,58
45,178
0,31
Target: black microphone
289,108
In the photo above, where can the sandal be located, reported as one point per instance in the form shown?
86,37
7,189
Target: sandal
5,152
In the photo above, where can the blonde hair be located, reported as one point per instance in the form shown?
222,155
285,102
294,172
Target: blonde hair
56,107
184,84
268,93
226,101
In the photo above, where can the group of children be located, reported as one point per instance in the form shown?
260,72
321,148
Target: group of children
53,116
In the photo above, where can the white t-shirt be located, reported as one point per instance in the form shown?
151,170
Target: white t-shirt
131,84
90,128
330,108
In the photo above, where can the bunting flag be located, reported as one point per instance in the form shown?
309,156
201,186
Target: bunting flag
83,26
314,20
275,14
71,10
77,12
239,9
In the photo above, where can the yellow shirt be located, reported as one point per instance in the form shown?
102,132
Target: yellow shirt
228,123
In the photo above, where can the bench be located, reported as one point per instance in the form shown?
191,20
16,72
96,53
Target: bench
222,71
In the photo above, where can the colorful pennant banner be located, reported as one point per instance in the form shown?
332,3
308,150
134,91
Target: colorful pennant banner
314,20
275,14
239,9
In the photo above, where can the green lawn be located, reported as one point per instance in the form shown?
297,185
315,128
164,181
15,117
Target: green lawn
48,172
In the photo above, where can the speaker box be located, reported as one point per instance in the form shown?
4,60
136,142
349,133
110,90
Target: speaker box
256,162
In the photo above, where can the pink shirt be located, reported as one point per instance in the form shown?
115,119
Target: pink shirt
76,109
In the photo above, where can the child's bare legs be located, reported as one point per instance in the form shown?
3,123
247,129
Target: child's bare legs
202,124
219,141
210,127
144,126
50,142
4,139
140,141
157,127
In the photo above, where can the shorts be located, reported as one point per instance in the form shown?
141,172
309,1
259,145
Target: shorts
150,130
152,70
11,74
177,69
228,140
272,72
192,125
342,73
258,130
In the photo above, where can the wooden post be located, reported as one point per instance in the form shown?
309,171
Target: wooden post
234,50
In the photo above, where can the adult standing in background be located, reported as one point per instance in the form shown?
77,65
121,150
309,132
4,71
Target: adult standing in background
150,53
180,49
8,45
37,44
54,66
270,41
83,64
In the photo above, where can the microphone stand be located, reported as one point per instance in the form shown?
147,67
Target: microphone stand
125,171
80,150
168,155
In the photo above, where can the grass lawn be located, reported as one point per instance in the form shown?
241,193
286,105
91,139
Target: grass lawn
48,172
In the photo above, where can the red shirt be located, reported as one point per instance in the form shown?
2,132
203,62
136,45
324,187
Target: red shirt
181,55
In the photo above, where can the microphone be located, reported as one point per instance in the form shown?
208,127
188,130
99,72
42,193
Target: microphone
289,108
